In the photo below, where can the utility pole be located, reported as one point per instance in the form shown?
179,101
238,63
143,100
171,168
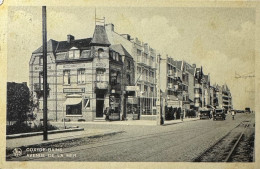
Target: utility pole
158,101
45,87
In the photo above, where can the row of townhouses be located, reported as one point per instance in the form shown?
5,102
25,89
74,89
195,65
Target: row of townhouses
116,71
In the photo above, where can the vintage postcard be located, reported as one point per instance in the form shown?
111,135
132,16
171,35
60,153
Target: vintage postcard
140,84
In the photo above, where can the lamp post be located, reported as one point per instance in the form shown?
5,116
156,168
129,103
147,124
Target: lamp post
159,106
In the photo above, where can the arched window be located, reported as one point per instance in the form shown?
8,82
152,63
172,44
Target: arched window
100,52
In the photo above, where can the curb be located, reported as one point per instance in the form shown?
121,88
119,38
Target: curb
41,133
179,122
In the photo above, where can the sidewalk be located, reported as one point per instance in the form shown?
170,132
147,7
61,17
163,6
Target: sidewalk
131,122
170,122
36,141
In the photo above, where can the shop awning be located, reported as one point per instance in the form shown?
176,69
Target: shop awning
73,100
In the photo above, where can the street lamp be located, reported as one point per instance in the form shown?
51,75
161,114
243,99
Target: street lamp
159,106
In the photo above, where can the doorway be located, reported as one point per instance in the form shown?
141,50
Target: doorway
99,105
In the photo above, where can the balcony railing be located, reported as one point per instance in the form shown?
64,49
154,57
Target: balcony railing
151,80
116,87
197,85
170,85
197,104
101,85
197,95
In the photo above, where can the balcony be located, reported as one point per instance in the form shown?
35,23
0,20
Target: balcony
151,80
116,87
170,73
153,65
197,86
197,95
151,94
101,85
197,104
170,85
140,60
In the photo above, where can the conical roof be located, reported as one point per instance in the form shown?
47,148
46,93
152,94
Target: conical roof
100,36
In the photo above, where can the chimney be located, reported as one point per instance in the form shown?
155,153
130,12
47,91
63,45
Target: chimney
127,36
70,38
110,27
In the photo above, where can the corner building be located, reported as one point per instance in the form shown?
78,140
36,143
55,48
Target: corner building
84,77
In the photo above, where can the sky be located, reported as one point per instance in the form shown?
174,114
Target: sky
222,40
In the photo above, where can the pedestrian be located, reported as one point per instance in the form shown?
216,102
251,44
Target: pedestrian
182,114
233,114
211,114
107,112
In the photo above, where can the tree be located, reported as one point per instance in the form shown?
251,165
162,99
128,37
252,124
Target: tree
19,102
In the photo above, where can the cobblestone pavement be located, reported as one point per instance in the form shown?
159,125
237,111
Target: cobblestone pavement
173,143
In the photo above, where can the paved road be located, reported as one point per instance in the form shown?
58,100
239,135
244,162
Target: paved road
173,143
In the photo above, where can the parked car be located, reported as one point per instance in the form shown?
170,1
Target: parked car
247,110
205,114
219,114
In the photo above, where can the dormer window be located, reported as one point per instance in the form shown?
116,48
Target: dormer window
114,56
74,53
117,57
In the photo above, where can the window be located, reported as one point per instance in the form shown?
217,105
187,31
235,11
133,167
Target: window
140,87
40,60
138,70
41,80
139,52
114,56
152,89
74,54
86,103
74,109
128,64
100,52
113,79
117,57
66,77
100,73
128,78
145,88
71,54
118,77
81,76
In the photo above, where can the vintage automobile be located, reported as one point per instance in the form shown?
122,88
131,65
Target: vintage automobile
205,114
219,114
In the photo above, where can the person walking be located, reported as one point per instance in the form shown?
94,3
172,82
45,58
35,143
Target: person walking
233,114
211,114
106,113
182,114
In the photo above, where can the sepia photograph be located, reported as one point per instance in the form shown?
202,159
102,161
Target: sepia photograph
130,84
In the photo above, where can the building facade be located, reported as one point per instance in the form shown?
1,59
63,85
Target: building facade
224,97
145,65
84,77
